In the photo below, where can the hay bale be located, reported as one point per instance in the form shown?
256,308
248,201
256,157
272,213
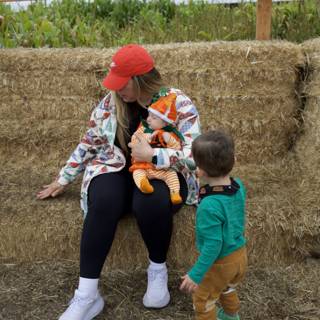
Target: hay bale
63,60
33,229
48,107
240,85
256,80
248,87
263,128
308,145
278,230
311,48
190,54
307,148
35,134
226,54
260,136
36,84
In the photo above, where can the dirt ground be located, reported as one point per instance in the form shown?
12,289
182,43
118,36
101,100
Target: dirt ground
41,291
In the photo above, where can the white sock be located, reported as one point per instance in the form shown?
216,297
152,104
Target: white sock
157,266
88,286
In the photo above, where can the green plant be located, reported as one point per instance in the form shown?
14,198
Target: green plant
105,23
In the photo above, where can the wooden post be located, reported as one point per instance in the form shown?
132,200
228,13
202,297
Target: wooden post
263,15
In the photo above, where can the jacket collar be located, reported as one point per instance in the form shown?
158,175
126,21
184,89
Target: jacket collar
227,190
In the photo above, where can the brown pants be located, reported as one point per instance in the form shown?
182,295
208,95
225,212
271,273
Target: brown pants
218,284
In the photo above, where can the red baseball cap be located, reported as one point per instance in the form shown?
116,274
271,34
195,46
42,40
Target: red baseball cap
130,60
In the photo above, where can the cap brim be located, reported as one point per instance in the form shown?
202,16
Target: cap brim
160,115
114,82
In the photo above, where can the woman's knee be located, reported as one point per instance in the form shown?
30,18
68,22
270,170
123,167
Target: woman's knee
149,207
108,192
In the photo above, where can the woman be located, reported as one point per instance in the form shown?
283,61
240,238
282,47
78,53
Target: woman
108,191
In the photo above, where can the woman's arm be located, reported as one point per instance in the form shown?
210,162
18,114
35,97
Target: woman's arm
100,127
189,126
101,134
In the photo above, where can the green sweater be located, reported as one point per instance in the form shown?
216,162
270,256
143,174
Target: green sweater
220,226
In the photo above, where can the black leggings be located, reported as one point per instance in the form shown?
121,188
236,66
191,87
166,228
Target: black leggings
112,195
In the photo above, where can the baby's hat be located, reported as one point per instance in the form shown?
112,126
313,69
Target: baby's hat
165,108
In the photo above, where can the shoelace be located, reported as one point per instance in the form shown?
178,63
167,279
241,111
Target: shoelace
76,300
159,275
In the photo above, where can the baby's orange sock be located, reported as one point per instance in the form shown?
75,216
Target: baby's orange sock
145,186
175,198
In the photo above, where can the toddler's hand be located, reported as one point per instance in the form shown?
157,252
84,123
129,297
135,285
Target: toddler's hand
187,284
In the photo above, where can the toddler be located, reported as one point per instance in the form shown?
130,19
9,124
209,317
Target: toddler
220,226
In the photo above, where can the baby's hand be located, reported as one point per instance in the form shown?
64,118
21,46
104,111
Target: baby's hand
154,133
188,285
166,137
148,136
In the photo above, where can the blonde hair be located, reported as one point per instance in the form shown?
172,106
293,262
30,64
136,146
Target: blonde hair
148,84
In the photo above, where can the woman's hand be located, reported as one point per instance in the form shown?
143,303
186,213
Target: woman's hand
187,284
141,150
51,190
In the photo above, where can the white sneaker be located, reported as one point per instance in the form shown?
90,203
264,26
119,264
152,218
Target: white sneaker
157,295
82,307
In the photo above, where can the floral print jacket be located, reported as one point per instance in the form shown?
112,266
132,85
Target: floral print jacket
96,153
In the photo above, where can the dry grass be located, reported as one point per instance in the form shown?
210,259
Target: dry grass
41,291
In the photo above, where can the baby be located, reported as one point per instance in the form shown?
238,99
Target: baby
160,132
